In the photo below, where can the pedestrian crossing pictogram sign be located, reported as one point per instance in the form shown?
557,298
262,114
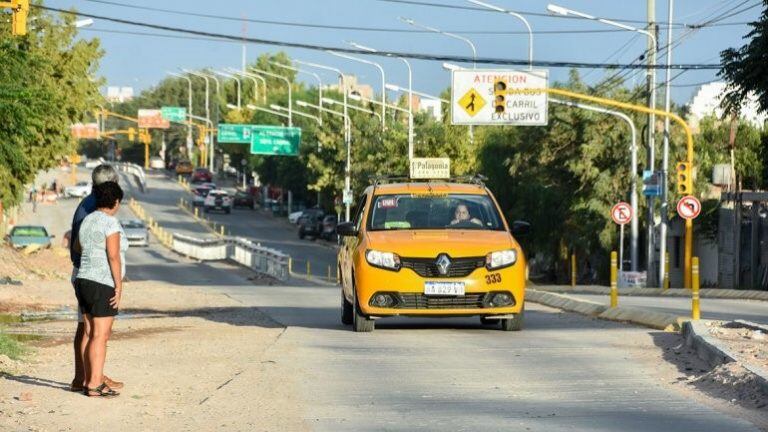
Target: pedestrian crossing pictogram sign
472,102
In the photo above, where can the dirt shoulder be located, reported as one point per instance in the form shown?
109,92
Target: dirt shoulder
191,360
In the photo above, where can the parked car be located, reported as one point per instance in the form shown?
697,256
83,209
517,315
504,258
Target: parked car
209,185
136,232
184,167
311,223
329,227
242,199
93,163
218,199
26,235
198,195
201,175
156,162
79,190
294,217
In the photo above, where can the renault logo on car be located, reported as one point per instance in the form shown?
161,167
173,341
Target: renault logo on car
443,264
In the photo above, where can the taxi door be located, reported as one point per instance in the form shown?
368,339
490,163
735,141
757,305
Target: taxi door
349,246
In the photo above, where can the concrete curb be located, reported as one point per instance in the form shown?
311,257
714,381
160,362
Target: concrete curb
655,320
714,293
709,349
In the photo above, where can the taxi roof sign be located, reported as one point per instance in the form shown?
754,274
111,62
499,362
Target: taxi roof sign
430,168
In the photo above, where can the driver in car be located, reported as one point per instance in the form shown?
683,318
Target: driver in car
461,216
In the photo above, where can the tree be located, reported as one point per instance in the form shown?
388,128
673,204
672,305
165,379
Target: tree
47,82
745,69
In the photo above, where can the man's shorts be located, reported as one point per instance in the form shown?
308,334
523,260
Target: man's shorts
74,277
93,298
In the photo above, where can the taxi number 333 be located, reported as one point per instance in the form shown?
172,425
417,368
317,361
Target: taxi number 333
493,278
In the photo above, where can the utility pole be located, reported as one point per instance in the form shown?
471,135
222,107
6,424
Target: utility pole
665,156
651,129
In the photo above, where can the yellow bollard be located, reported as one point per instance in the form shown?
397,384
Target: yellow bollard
309,273
695,306
614,282
222,230
665,284
196,213
573,270
329,274
290,265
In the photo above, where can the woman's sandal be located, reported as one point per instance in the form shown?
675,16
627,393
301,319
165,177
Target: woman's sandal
100,391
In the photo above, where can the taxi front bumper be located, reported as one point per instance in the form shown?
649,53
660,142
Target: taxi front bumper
405,293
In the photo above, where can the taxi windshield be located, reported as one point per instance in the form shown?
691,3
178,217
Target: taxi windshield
434,211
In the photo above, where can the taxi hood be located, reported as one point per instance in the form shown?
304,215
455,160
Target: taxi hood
430,243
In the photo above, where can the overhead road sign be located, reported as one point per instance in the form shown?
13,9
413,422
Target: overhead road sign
430,168
174,114
621,213
275,140
85,130
688,207
235,133
480,97
152,119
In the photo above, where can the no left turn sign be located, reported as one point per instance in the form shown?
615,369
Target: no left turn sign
621,213
688,207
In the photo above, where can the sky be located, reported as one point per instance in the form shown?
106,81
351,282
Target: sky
142,61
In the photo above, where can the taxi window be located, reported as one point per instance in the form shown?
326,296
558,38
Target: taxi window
433,211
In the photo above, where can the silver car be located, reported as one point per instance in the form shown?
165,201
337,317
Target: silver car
136,232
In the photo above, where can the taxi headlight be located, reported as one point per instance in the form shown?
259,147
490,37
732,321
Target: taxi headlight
385,260
500,259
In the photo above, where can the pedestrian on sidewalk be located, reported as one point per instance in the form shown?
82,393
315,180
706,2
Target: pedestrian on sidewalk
101,174
99,283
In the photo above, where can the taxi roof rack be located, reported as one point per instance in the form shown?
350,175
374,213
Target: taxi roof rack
477,179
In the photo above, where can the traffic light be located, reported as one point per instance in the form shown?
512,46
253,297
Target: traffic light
19,18
145,137
131,134
684,178
500,96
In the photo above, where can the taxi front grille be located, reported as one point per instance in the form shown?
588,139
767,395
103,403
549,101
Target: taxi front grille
427,267
421,301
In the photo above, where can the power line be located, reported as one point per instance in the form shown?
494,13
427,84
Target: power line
417,56
353,28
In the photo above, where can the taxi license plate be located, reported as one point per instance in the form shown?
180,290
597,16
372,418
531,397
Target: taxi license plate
444,288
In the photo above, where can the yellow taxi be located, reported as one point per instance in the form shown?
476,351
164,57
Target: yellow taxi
431,249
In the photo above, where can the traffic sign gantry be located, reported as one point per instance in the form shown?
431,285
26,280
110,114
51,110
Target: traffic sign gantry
621,213
275,140
481,97
688,207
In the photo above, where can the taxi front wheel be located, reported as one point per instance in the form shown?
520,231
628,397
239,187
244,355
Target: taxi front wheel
360,322
346,310
513,324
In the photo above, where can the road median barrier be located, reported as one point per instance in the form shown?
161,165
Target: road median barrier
713,293
646,318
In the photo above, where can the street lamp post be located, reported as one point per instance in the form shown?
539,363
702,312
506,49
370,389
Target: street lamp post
347,128
453,36
237,82
207,97
290,91
189,110
383,81
634,225
329,101
518,16
347,142
317,77
215,121
410,94
559,10
256,79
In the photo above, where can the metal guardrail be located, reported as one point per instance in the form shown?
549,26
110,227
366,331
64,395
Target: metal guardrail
248,254
136,171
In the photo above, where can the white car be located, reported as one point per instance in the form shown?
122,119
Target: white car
218,199
79,190
156,163
199,194
93,163
294,217
135,231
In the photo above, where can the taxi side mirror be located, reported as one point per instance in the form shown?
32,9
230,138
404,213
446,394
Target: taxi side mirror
520,228
346,229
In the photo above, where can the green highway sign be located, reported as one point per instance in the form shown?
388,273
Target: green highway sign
174,114
275,140
235,133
